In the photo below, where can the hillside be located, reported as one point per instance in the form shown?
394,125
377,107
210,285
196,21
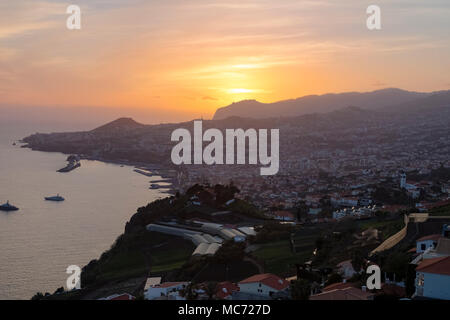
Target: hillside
318,104
118,125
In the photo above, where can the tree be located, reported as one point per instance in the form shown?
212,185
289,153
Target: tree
38,296
189,292
410,282
397,263
319,243
211,289
224,193
302,209
333,278
230,251
300,290
381,215
357,260
59,290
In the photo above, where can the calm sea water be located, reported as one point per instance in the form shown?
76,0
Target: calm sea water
38,242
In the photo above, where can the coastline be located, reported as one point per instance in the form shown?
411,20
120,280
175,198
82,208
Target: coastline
76,231
155,169
155,172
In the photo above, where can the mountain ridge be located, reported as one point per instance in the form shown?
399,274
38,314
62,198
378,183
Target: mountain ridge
328,102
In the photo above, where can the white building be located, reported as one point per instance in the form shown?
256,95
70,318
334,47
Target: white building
164,289
349,202
403,180
413,190
427,242
337,200
414,193
263,285
433,278
152,281
283,216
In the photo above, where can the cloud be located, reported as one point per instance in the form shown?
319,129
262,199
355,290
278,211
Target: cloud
128,51
209,98
25,28
23,17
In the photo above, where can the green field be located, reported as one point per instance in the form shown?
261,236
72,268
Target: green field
167,253
168,259
155,251
441,211
123,265
279,258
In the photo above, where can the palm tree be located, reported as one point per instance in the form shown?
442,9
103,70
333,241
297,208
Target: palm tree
211,289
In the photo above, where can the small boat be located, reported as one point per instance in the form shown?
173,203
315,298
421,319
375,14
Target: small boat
55,198
155,186
8,207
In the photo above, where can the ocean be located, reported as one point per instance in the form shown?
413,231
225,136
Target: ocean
39,242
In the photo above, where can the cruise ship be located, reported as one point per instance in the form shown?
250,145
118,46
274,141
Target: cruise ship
55,198
8,207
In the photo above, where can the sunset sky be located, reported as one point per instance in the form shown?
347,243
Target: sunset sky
184,58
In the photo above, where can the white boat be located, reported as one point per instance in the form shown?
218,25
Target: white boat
55,198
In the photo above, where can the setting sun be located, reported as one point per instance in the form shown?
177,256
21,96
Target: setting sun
240,90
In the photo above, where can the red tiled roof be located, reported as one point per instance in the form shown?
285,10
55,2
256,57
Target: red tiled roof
123,296
269,280
393,290
430,237
225,289
439,265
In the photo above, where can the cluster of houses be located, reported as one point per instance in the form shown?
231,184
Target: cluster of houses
355,212
412,188
432,260
354,191
432,264
257,287
431,257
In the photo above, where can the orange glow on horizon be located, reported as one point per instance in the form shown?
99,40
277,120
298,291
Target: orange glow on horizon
191,57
